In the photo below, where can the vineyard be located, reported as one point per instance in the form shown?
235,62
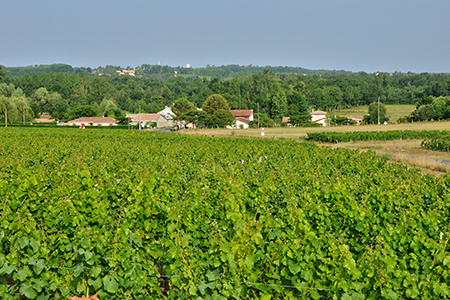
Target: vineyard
336,137
145,215
438,144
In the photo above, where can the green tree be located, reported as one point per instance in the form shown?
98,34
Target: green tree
214,103
439,106
39,98
278,104
372,118
7,89
81,111
425,100
297,104
167,95
8,108
99,88
195,116
332,97
60,108
22,105
424,112
221,118
2,74
182,106
113,112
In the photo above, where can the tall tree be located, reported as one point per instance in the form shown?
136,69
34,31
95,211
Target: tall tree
297,104
182,106
372,118
278,102
215,102
8,108
99,88
198,117
2,74
7,89
278,107
22,104
221,118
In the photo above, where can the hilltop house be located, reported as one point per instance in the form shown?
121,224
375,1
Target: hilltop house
127,72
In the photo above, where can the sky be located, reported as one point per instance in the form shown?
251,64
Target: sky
353,35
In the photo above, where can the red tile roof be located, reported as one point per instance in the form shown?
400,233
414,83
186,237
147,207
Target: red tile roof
285,119
243,120
246,113
105,120
318,112
147,117
42,120
356,118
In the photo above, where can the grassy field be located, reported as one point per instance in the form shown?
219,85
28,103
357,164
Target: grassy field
408,152
394,112
300,132
402,149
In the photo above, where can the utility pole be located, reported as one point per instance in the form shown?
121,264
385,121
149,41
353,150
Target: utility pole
258,115
139,117
378,110
378,83
239,96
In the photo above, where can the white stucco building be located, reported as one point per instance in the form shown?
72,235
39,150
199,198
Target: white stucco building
320,117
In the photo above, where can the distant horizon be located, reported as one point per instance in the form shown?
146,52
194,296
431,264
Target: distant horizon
211,65
358,36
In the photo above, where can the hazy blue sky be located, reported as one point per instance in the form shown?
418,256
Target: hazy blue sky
363,35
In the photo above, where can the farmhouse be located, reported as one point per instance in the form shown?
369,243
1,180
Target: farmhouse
243,118
93,121
43,120
167,113
320,117
244,114
147,119
357,119
240,123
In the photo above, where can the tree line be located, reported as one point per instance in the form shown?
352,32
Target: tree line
275,95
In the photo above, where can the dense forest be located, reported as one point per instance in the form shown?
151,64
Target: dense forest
276,91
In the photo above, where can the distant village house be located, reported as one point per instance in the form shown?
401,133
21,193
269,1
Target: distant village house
147,119
92,121
126,72
43,120
357,119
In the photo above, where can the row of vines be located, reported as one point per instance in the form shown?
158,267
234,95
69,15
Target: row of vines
336,137
144,215
437,144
